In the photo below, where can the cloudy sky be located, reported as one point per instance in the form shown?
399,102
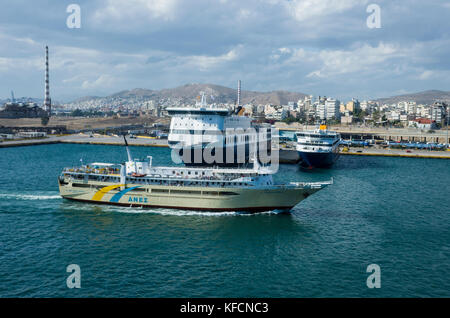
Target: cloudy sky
320,47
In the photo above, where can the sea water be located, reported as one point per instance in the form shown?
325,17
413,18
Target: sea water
393,212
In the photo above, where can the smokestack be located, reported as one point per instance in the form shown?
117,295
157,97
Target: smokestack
47,100
239,94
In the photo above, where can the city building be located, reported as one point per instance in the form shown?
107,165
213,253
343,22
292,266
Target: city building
332,109
422,123
438,112
352,105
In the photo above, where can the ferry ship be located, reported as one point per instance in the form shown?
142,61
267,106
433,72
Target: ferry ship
137,183
319,147
228,137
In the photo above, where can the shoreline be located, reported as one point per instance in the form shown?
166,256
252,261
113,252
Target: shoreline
85,139
420,156
288,156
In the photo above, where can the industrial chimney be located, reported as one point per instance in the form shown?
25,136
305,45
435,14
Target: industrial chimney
47,100
238,102
239,94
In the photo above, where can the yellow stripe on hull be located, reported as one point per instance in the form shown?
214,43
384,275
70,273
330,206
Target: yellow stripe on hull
100,193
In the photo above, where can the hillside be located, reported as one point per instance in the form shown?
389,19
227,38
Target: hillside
188,94
425,97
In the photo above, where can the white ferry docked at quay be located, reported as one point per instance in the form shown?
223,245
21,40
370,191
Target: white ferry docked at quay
136,183
194,129
318,148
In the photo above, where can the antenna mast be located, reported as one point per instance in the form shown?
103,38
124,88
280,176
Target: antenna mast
239,94
128,149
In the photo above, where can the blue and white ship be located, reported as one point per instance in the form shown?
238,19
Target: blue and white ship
318,148
226,135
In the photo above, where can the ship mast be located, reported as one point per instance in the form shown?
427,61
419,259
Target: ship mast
128,149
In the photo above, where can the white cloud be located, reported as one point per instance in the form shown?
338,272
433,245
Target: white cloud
361,59
119,14
303,10
20,64
426,75
103,81
278,53
284,50
244,13
204,62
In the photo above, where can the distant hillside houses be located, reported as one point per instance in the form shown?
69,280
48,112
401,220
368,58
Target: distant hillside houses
276,105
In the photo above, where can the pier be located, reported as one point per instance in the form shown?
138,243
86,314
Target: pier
96,139
381,134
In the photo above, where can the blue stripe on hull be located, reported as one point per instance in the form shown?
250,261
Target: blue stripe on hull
120,194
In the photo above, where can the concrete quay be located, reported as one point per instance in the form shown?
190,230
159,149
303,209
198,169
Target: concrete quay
286,155
379,133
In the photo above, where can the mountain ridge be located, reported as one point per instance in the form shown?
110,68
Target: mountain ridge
189,93
423,97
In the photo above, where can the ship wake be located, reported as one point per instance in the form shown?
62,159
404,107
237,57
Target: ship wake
22,196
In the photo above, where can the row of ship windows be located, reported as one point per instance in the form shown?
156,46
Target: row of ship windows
192,125
315,143
84,185
316,136
206,132
193,118
158,182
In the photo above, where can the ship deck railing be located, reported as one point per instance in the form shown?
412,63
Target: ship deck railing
170,180
312,185
164,171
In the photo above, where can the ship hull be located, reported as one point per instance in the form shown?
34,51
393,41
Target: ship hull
221,156
318,159
188,198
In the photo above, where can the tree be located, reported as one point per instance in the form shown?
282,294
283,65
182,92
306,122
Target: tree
45,120
289,119
77,113
360,115
376,115
302,117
